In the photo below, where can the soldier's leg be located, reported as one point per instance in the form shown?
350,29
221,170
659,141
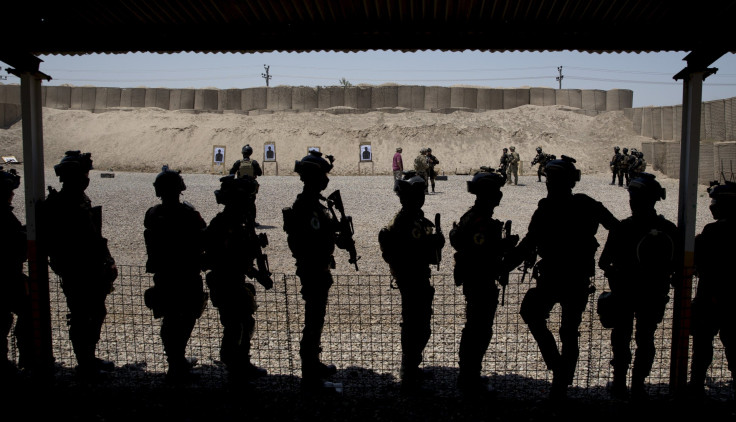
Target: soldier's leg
705,327
315,289
477,333
416,315
535,310
621,349
573,307
539,173
613,180
728,338
647,319
6,322
86,316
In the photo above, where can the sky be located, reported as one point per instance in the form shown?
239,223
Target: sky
648,75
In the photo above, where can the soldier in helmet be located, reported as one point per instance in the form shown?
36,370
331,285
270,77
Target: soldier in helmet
174,236
480,244
614,164
639,259
231,247
410,244
514,160
312,234
542,159
631,164
72,235
248,167
431,162
712,310
503,163
562,233
639,166
421,167
622,167
14,297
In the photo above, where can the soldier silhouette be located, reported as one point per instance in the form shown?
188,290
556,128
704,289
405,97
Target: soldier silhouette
410,244
231,247
562,233
312,234
14,296
615,166
174,236
72,234
712,310
480,243
250,168
639,259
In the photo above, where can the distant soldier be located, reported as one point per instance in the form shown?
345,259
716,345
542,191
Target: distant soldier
623,168
397,165
431,161
542,159
615,164
713,312
562,232
630,164
78,254
481,242
513,170
639,259
639,166
248,167
503,163
231,247
421,167
14,294
410,243
174,236
312,233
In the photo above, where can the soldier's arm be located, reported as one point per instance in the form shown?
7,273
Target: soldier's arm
257,168
235,167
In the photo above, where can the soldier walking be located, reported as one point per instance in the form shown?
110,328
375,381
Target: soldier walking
712,310
562,233
174,236
514,160
78,254
231,247
542,159
639,259
410,243
480,245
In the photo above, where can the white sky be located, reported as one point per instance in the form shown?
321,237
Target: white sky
649,75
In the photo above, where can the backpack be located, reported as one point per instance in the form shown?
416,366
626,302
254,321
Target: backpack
245,169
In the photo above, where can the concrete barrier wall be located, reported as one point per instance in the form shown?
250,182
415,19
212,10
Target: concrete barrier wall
724,160
9,114
717,121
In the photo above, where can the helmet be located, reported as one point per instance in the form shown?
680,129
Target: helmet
74,163
410,184
233,188
9,180
726,191
486,182
512,148
626,150
169,181
247,150
563,167
422,150
539,149
639,154
313,164
645,184
398,149
429,149
505,149
616,148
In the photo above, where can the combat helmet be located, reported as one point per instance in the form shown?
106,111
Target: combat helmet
9,181
410,186
233,188
725,192
626,150
616,148
313,164
487,181
539,149
74,163
645,184
563,167
247,151
169,181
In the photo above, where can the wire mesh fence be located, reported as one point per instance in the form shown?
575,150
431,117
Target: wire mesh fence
362,338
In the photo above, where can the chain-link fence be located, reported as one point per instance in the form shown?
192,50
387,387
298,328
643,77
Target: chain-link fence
362,338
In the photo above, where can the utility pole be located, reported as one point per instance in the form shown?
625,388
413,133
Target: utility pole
559,78
266,76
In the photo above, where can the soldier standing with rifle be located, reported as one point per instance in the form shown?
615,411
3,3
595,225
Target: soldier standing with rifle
72,235
409,244
639,259
514,160
250,168
312,233
615,164
480,244
231,247
503,163
174,235
431,162
562,232
712,310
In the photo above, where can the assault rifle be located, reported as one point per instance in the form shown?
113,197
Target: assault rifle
263,272
528,262
346,229
503,279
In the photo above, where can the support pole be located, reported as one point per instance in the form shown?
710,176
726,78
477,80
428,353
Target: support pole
33,173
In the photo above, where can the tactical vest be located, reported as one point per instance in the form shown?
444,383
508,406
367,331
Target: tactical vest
246,168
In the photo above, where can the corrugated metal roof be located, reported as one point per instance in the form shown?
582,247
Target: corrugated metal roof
248,26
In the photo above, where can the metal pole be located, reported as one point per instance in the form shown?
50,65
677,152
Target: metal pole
689,156
33,171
